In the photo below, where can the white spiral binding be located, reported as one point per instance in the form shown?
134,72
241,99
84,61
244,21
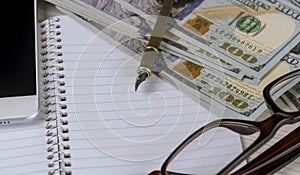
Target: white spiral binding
54,99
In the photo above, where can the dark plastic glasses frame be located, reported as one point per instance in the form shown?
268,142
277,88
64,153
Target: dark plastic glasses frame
272,159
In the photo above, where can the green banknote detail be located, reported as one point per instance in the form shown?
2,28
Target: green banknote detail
249,24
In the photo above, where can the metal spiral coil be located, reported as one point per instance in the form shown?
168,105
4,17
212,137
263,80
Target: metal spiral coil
54,107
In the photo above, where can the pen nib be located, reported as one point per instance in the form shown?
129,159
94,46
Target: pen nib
142,77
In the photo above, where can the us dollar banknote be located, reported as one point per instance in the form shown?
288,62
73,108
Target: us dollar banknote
291,59
133,25
136,26
241,99
252,35
200,54
208,86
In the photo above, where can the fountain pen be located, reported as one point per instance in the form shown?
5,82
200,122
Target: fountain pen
151,51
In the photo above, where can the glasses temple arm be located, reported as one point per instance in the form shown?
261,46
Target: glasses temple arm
278,162
267,130
276,157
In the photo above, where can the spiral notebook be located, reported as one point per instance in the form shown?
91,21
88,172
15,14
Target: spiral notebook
94,122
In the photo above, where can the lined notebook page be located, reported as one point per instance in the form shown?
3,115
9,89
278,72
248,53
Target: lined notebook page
23,149
115,130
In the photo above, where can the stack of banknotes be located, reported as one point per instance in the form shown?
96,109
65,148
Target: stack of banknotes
222,53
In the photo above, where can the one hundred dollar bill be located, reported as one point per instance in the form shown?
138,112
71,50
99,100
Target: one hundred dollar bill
242,100
252,35
291,60
202,55
109,7
135,26
208,86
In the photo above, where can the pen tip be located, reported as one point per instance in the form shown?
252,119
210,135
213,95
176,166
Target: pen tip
141,77
136,86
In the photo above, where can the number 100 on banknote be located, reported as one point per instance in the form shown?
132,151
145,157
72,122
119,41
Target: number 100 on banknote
251,34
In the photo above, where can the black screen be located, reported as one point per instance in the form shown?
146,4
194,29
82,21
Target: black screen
17,71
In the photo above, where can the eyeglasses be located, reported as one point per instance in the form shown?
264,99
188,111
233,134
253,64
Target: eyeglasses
275,157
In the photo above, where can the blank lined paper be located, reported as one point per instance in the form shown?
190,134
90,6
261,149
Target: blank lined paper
23,149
